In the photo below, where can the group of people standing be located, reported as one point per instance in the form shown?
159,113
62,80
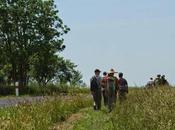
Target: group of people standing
160,80
109,87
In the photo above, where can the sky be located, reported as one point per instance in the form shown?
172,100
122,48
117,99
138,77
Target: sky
136,37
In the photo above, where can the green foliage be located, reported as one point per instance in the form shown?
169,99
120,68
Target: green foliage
40,116
67,72
76,78
30,42
50,89
44,67
4,91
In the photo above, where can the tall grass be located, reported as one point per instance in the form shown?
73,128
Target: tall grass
40,116
152,109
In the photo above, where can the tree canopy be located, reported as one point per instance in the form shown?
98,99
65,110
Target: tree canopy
30,42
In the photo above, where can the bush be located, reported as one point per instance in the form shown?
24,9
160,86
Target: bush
7,90
50,89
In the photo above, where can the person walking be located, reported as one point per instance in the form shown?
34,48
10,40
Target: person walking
123,87
104,88
164,81
112,85
158,80
95,87
150,83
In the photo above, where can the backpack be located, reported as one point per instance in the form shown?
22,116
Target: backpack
123,85
111,84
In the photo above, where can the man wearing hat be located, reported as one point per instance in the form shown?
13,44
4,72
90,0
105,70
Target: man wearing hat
112,88
95,87
158,80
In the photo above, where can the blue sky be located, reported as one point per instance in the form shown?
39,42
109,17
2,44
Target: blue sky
132,36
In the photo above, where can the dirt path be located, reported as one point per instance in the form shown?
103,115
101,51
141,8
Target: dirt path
69,123
87,119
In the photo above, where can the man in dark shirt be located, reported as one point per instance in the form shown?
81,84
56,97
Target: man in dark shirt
123,87
95,87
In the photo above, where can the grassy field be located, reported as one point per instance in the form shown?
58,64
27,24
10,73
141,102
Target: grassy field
144,110
41,116
152,109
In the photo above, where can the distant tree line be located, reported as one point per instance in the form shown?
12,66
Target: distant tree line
31,39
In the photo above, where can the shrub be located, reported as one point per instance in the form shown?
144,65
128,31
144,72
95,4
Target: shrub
50,89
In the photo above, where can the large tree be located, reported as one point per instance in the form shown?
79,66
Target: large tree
31,30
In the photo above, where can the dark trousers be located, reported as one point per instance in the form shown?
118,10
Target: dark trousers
111,98
105,97
97,99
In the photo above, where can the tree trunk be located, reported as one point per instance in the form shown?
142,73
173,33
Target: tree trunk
22,75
